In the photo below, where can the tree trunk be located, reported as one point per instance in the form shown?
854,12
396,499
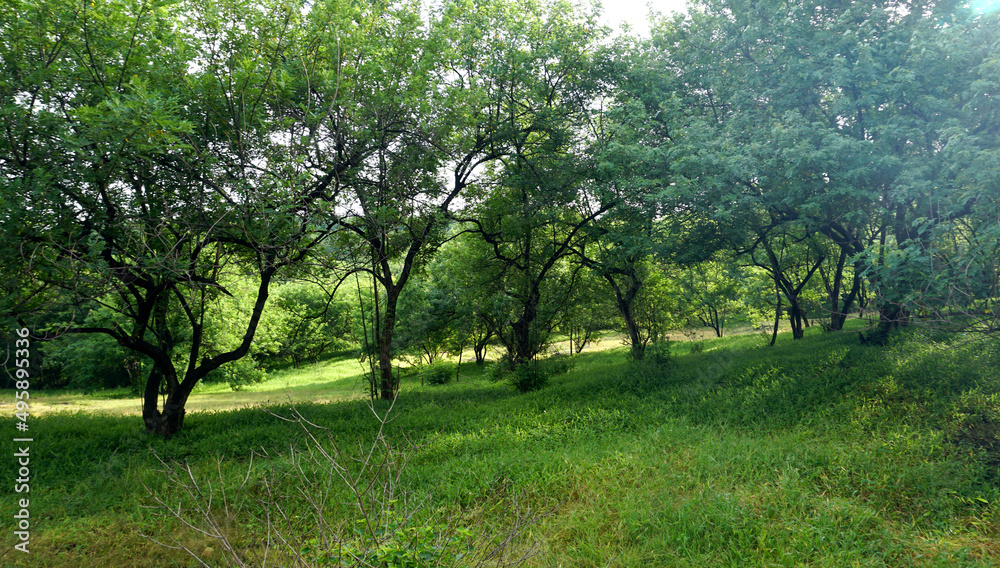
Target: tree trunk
624,301
387,386
637,347
837,315
777,314
892,316
838,310
526,343
714,321
523,344
480,342
150,399
167,422
837,323
795,316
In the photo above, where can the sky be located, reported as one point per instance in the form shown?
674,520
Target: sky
634,12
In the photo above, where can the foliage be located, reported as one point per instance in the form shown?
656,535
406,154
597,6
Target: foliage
185,186
587,312
305,321
399,544
88,362
719,294
431,319
659,351
814,120
147,187
529,376
437,373
535,374
238,374
499,369
656,304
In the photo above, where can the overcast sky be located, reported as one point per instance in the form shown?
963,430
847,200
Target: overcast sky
634,12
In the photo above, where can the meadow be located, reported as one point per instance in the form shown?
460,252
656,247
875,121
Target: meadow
819,452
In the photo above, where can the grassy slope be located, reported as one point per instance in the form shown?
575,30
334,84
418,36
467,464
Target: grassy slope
327,381
820,452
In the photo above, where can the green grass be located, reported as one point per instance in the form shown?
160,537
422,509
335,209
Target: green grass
328,381
820,452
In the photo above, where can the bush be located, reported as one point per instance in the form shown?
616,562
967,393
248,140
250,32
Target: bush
89,361
532,375
659,352
238,374
440,373
396,542
558,364
529,376
499,370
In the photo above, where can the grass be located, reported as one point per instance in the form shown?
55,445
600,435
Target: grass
819,452
328,381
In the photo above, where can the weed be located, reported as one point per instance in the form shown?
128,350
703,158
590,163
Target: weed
383,525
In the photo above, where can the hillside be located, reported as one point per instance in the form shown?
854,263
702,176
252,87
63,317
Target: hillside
819,452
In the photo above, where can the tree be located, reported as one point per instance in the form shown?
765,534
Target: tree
428,317
149,164
309,321
440,108
465,304
711,296
829,116
937,259
543,198
629,143
655,306
587,312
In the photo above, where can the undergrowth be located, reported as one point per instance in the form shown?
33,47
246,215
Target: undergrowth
819,452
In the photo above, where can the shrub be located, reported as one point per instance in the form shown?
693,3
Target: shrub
439,373
558,364
496,372
396,542
659,352
532,375
499,370
89,361
238,374
529,376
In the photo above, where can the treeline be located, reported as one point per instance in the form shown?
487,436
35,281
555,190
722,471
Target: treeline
212,187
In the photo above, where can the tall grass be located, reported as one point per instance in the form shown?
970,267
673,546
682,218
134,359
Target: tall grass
820,452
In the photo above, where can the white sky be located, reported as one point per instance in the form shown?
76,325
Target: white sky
634,12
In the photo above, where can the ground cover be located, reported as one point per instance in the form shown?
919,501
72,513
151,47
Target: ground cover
820,452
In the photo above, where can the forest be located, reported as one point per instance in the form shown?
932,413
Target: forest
769,219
